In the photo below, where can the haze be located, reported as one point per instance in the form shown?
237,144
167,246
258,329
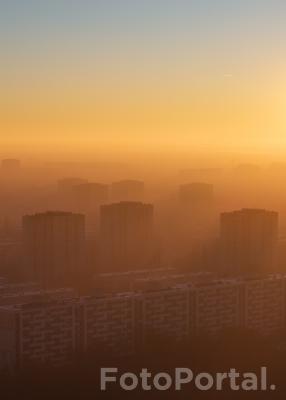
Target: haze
80,78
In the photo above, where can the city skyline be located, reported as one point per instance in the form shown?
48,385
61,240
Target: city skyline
142,198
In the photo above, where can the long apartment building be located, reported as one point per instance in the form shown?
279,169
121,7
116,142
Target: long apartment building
264,305
164,312
107,324
37,333
51,332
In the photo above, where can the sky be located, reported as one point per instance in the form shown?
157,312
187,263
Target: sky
133,74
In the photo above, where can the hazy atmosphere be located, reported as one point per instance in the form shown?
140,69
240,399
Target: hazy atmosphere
106,75
142,199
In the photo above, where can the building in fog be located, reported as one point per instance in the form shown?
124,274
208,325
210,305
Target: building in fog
265,300
145,280
202,174
11,164
248,240
54,329
54,245
128,190
30,295
88,195
37,333
195,218
87,198
196,195
65,193
66,185
126,236
215,306
107,324
164,313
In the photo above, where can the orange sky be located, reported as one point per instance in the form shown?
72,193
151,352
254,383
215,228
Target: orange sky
176,76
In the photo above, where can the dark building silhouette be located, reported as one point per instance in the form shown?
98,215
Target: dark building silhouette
195,217
54,245
248,240
66,185
201,174
88,197
128,190
65,195
126,236
196,195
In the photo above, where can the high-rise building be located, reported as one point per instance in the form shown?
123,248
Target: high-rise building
128,190
66,185
197,195
126,236
54,244
248,240
88,197
195,218
65,193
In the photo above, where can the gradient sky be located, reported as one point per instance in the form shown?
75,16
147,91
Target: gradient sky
143,73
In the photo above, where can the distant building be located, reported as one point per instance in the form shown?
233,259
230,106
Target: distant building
247,170
128,190
54,243
24,295
248,240
195,217
144,280
197,195
126,236
87,198
108,324
11,258
37,333
66,185
55,329
164,313
216,306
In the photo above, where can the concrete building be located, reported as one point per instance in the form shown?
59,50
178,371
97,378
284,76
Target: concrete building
54,245
164,313
54,331
36,295
66,185
108,324
248,240
89,195
87,199
126,236
215,306
197,195
264,304
37,333
127,190
195,216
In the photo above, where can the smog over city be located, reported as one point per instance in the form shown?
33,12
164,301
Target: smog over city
142,199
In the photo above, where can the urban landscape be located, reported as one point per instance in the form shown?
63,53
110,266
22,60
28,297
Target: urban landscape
142,199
